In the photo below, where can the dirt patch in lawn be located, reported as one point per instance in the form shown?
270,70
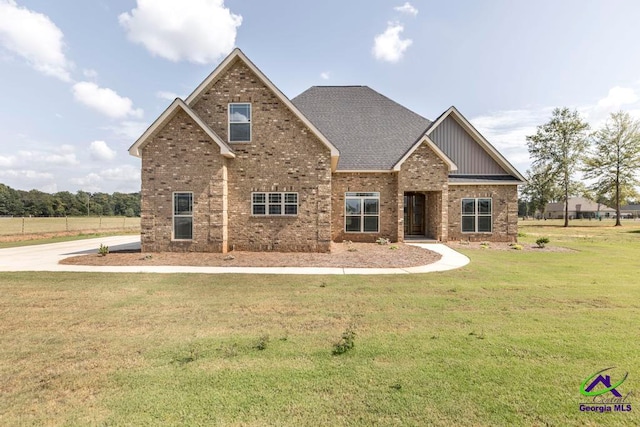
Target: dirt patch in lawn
354,255
503,246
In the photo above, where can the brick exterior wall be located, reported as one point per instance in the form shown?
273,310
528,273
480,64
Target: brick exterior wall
283,156
504,212
384,183
425,172
182,158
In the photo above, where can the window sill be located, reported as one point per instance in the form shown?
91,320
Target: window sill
273,216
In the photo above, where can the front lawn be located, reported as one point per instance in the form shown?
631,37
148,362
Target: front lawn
506,340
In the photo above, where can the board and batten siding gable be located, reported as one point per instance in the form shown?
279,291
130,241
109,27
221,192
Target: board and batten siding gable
463,150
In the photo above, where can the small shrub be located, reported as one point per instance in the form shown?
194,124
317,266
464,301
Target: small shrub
484,245
383,241
262,342
345,343
393,247
521,234
517,247
103,250
542,242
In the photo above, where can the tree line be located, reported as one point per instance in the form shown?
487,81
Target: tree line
37,203
565,152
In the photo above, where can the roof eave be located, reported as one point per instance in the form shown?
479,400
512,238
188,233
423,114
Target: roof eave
168,113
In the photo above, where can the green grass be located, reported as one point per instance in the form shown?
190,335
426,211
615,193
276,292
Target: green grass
58,239
506,340
18,226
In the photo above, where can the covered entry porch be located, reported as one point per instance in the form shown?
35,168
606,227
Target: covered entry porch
423,215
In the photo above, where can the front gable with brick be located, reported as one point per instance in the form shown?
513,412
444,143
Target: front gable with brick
239,166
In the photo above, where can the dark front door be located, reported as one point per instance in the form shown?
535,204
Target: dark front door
414,214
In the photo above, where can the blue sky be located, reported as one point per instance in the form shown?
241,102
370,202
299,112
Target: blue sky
81,80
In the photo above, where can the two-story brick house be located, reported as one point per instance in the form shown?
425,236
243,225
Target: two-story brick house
238,165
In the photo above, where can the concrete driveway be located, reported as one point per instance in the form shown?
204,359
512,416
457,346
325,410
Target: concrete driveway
46,258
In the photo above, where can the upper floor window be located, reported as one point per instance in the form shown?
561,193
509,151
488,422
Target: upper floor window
476,215
239,122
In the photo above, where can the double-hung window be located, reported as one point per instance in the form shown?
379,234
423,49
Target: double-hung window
240,122
362,212
183,216
476,215
274,204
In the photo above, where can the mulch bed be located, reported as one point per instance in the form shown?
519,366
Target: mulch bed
342,255
503,246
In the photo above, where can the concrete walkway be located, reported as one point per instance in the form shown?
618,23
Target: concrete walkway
46,258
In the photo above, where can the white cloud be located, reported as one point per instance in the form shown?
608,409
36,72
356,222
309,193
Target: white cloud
60,158
407,8
388,46
90,182
90,74
105,100
34,37
131,130
121,173
618,96
99,150
7,161
198,31
31,175
325,75
169,96
68,159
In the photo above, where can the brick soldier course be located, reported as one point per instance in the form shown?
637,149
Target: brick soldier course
306,151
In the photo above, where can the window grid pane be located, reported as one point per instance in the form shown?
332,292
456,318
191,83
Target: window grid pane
291,209
239,122
362,212
477,215
275,210
274,204
183,216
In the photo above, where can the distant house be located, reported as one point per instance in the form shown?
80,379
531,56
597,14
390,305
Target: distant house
239,165
579,208
630,211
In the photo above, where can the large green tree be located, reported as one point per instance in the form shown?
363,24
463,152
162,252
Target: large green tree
558,147
615,158
540,189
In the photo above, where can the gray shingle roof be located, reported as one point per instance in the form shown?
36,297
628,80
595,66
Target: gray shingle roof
371,131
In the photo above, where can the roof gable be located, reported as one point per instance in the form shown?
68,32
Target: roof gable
237,54
427,141
165,117
480,159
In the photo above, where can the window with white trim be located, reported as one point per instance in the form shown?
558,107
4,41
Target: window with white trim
240,122
183,216
274,204
476,215
362,212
